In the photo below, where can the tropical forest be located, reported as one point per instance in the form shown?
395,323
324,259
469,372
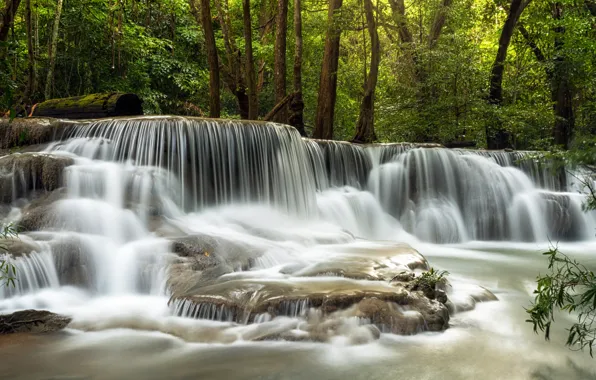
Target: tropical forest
298,189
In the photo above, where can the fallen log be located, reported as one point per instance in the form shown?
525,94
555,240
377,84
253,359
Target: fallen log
90,106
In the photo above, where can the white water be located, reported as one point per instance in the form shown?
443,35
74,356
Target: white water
275,203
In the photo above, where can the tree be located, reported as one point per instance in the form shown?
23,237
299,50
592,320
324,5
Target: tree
499,139
280,57
8,14
253,103
561,85
365,129
203,17
52,51
31,76
234,68
297,102
328,78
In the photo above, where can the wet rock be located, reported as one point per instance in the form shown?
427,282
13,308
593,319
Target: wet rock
39,213
466,298
29,174
385,262
202,259
74,266
242,300
19,246
32,321
23,132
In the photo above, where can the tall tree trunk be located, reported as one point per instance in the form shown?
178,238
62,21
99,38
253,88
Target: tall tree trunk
328,80
31,82
365,129
439,22
562,94
297,103
203,17
496,77
8,13
253,103
398,8
281,29
53,48
496,136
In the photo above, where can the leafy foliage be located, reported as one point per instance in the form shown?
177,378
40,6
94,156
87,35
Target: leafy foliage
7,270
430,279
569,286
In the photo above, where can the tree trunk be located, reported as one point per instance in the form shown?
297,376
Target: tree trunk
398,8
53,48
297,103
253,103
562,95
496,78
365,129
496,136
280,58
243,103
439,22
31,82
203,17
8,13
328,80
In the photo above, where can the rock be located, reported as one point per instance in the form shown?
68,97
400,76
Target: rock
19,246
202,259
31,131
242,300
25,174
39,213
32,321
74,266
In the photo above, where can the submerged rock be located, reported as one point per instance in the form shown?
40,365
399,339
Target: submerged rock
25,174
39,213
32,321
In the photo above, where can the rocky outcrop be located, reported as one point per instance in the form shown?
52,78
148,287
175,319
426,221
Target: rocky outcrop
39,213
375,285
32,321
34,131
23,175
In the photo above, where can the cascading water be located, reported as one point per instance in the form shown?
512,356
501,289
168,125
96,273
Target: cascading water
257,215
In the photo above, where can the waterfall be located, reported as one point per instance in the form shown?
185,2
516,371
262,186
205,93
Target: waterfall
210,162
171,165
241,181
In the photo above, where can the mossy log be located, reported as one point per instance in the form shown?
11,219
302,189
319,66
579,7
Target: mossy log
91,106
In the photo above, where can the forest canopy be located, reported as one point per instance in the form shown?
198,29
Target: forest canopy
504,74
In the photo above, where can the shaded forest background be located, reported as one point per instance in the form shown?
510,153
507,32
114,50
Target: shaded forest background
499,73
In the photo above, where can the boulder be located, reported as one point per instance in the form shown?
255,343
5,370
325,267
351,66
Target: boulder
39,213
243,300
25,174
201,259
32,321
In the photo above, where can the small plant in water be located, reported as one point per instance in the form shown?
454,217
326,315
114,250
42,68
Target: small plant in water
569,286
430,278
7,270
